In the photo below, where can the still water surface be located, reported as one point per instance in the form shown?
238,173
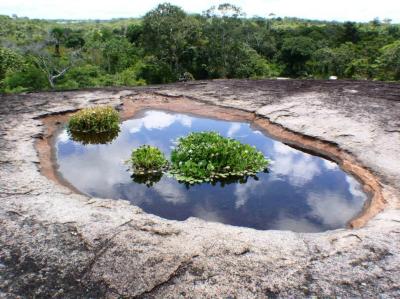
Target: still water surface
301,192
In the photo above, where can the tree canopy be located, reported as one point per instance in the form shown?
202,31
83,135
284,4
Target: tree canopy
168,44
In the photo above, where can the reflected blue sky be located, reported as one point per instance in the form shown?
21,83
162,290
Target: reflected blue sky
301,192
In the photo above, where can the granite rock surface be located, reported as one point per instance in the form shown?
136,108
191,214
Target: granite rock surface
59,244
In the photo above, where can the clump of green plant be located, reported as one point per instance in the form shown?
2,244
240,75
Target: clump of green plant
147,159
207,156
95,120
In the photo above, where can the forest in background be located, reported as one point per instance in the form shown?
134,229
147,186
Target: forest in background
169,45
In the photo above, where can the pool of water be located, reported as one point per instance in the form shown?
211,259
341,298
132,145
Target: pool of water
301,192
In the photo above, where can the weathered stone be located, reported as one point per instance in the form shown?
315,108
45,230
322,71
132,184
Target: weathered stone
56,243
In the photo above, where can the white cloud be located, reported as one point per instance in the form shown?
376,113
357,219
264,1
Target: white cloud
341,10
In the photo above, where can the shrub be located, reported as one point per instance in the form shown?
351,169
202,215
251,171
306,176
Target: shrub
207,156
129,77
66,85
85,76
389,61
10,61
28,79
148,159
94,120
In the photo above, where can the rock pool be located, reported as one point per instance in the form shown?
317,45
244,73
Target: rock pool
300,192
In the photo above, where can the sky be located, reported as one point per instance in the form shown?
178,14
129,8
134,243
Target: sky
339,10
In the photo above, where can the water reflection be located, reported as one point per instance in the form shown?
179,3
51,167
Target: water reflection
298,167
157,120
331,208
301,193
94,138
171,192
148,179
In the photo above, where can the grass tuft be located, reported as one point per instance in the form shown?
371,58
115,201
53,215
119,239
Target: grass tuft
95,120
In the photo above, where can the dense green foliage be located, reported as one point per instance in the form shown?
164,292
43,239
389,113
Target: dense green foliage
168,44
207,156
147,159
94,120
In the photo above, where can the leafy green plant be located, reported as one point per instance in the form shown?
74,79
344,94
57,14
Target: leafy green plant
29,78
95,120
147,159
207,157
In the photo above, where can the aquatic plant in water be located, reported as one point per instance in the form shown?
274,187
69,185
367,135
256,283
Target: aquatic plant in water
208,156
147,159
94,120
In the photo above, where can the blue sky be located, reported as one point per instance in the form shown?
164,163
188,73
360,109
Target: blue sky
340,10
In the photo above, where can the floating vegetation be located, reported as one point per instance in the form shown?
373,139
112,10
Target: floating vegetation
208,156
95,120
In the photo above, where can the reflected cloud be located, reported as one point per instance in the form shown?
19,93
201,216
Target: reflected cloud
208,214
233,129
171,192
134,194
63,137
243,192
355,188
333,209
330,165
298,167
98,166
99,177
157,120
286,222
283,149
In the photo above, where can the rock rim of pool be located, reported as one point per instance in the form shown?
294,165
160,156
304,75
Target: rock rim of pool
55,242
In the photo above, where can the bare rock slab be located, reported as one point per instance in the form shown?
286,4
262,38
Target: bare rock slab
60,244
